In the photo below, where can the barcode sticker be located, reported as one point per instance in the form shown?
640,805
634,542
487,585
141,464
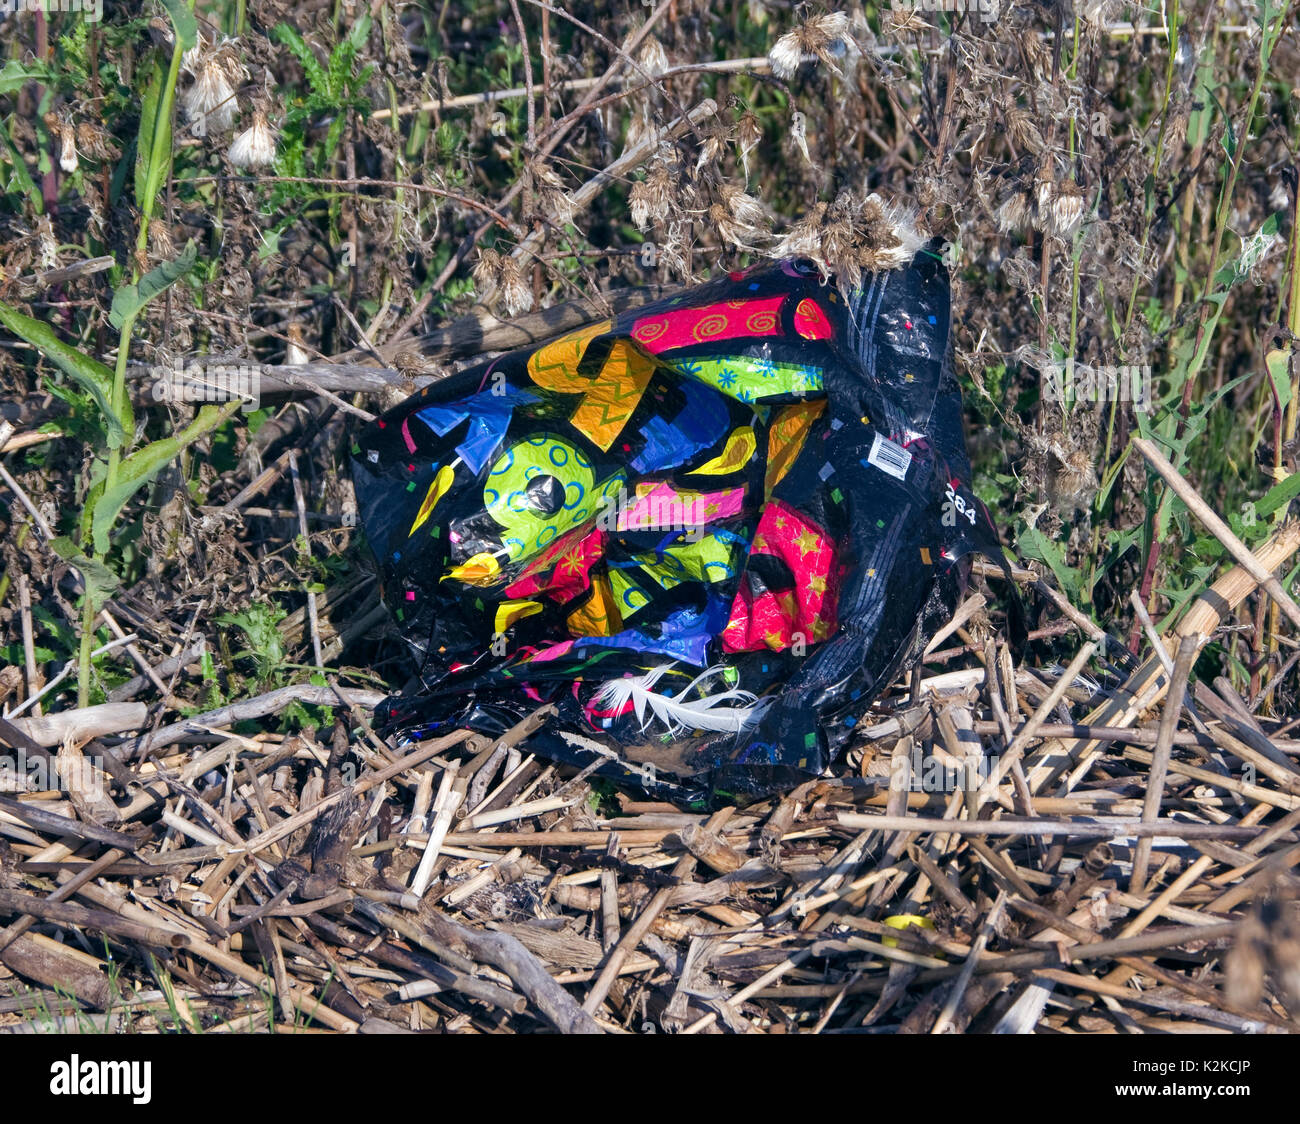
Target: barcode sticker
889,457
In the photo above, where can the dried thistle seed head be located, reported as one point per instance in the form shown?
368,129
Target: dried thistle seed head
639,202
713,148
211,98
891,234
748,133
653,58
651,198
1065,210
95,142
255,146
68,151
727,230
294,352
803,239
544,175
516,296
744,208
672,249
487,270
1042,200
1013,210
737,233
1023,131
558,206
824,36
785,56
852,235
1062,467
65,135
902,21
1072,477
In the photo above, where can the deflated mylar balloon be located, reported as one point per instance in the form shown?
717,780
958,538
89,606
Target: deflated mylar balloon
708,530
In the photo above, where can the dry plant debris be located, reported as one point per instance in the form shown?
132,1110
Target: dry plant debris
1007,849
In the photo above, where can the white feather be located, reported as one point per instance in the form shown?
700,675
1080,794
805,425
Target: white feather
726,711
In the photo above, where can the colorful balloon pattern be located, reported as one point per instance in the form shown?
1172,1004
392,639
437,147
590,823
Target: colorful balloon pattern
708,530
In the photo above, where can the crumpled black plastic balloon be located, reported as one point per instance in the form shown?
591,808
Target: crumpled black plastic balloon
709,530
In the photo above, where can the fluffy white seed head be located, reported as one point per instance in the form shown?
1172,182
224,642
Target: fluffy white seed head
255,146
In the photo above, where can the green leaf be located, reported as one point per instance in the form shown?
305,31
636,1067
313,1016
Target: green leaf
142,466
144,140
187,27
317,79
90,374
13,653
1253,251
357,36
1278,362
130,299
15,76
99,580
64,633
20,178
1034,544
1279,495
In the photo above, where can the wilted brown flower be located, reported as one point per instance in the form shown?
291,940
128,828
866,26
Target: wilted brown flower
651,198
68,149
94,141
744,208
1013,210
713,148
653,58
516,295
902,21
487,270
748,133
820,36
852,235
1023,132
